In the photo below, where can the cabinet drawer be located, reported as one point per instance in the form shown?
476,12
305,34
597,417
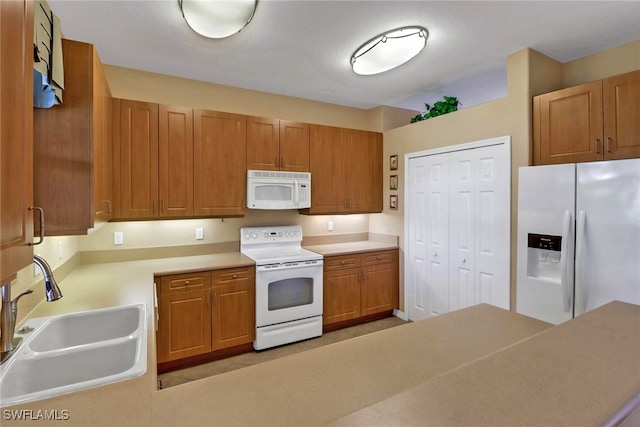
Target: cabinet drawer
375,258
341,262
185,282
234,275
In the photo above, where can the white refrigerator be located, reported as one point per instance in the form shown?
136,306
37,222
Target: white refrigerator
578,238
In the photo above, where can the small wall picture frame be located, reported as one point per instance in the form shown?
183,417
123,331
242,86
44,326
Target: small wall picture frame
393,182
393,202
393,162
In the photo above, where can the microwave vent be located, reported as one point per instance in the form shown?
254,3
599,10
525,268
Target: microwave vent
278,174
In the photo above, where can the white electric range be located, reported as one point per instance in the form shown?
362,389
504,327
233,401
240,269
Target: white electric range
288,285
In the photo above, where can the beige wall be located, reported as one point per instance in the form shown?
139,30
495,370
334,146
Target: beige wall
163,89
619,60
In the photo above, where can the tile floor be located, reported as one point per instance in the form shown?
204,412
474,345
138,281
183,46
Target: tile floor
181,376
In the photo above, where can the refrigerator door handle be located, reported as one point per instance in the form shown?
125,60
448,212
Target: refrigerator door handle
580,231
566,276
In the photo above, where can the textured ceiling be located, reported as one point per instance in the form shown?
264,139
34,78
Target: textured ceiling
302,48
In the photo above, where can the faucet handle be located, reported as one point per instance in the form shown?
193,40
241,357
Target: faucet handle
14,302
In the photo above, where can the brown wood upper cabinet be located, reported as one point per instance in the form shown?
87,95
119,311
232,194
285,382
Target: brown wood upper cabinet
178,162
346,170
594,121
274,144
136,154
220,153
16,137
73,147
154,151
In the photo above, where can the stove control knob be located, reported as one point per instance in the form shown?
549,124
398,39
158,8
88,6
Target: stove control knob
254,235
247,235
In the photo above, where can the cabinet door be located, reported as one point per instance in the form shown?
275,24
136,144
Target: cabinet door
341,289
184,324
234,307
184,315
175,161
263,136
220,160
102,145
16,137
379,285
294,146
73,147
137,147
364,178
621,97
570,125
328,164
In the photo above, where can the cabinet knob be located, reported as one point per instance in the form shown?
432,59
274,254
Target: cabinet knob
341,262
377,258
235,276
186,282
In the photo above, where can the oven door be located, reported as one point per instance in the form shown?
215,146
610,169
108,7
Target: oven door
288,292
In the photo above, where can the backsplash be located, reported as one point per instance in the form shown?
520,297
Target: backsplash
171,233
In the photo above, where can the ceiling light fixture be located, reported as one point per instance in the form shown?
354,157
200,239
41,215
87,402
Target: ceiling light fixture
389,50
217,19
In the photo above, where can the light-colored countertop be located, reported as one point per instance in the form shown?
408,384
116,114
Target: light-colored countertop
351,247
489,363
317,386
580,373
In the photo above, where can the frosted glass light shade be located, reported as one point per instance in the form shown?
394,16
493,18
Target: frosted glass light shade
389,50
217,19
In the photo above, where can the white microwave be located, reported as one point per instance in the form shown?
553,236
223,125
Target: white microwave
278,190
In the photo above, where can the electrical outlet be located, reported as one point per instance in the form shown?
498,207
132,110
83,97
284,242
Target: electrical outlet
330,226
199,233
118,238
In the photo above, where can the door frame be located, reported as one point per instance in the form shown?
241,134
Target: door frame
504,141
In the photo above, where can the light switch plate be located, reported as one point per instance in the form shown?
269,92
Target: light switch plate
199,233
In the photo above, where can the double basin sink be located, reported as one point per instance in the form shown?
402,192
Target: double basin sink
76,351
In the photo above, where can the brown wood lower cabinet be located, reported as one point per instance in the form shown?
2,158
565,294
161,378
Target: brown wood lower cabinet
357,286
234,313
201,313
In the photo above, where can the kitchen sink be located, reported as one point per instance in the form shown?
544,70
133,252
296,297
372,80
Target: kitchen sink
87,327
74,352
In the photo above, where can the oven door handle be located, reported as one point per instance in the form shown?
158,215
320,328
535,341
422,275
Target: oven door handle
288,266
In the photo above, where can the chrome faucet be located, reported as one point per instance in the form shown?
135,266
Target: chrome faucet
51,287
9,312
